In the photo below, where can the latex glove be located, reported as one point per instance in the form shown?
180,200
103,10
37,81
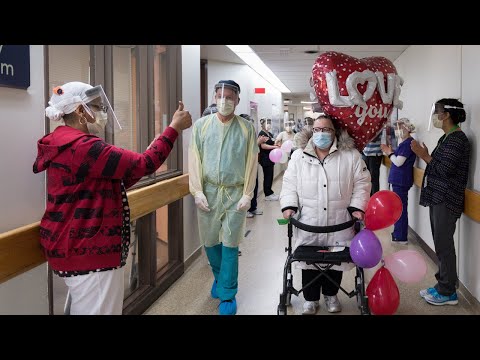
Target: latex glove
244,203
201,201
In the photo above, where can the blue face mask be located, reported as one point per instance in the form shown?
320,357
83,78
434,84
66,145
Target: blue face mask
322,140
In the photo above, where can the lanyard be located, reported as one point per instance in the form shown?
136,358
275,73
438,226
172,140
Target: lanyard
451,130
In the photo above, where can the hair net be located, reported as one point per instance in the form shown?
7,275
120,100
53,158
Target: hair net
406,122
66,98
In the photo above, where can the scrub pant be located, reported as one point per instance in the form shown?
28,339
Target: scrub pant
400,232
98,293
221,230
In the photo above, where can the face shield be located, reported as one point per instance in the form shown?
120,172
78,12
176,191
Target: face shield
99,108
437,115
289,125
225,96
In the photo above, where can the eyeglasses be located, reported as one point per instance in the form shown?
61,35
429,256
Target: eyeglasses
324,129
100,107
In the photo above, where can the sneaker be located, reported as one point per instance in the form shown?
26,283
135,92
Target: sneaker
310,307
438,299
257,212
250,215
395,241
228,307
213,292
272,197
332,303
425,292
239,253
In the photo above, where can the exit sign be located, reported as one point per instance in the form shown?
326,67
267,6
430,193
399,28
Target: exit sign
259,90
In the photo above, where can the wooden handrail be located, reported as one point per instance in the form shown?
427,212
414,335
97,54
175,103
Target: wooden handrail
20,248
472,197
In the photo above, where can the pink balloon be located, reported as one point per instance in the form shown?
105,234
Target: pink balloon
287,146
407,265
275,155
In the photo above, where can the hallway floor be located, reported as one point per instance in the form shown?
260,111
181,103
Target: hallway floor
261,272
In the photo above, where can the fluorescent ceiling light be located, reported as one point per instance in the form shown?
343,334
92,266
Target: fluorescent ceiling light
307,102
250,58
307,108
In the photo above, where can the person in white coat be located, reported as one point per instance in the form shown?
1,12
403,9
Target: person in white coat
327,183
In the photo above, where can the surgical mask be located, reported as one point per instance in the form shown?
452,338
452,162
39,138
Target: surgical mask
288,129
99,125
322,140
225,107
436,121
268,127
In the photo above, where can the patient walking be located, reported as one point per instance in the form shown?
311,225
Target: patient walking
327,183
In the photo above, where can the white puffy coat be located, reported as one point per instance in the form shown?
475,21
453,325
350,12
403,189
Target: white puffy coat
323,192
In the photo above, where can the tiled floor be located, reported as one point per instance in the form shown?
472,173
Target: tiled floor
261,271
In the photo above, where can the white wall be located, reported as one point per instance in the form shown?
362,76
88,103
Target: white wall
22,192
191,99
431,73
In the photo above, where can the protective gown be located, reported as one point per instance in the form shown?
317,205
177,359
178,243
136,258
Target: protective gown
223,165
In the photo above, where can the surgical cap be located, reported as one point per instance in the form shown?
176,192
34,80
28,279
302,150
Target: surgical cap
228,84
66,98
408,125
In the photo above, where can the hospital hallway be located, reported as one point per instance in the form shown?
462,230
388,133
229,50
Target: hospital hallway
261,271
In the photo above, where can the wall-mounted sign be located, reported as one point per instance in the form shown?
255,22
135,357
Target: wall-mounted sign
259,90
15,66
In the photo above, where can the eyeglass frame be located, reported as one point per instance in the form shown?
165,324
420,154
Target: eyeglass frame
323,129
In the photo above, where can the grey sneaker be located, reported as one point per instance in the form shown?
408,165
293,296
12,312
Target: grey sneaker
332,303
257,212
310,307
272,197
250,215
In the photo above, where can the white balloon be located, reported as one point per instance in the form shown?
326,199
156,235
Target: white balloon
386,95
287,146
284,158
333,93
356,78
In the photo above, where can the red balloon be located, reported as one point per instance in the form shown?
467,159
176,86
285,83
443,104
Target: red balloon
383,210
362,123
383,294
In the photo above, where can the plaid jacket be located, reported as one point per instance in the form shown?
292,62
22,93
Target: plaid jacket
81,227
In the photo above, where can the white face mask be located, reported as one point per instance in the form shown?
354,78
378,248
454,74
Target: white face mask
268,127
99,125
225,107
288,129
436,121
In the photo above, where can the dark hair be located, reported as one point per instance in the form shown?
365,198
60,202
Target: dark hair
457,115
335,123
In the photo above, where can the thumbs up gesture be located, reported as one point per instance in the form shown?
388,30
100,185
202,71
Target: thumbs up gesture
181,119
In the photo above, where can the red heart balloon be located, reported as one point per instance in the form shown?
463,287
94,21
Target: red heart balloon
383,294
359,93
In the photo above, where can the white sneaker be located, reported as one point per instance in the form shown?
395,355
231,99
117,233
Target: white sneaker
257,212
249,214
310,307
272,197
332,303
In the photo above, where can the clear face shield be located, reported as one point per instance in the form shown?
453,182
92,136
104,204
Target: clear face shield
437,115
288,125
225,96
100,109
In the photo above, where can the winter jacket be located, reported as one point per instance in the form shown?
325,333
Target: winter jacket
81,227
322,193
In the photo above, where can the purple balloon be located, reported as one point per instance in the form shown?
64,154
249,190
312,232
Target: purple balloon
366,249
275,155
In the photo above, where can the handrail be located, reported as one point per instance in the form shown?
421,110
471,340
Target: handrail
472,197
20,248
